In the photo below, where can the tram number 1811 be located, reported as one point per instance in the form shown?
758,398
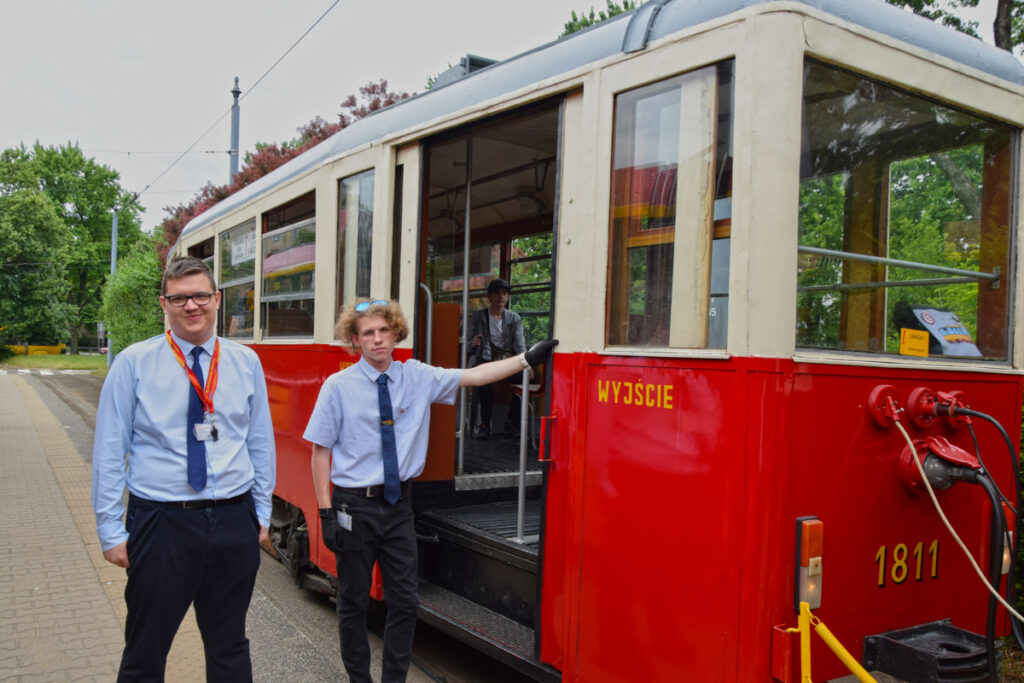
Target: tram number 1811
899,566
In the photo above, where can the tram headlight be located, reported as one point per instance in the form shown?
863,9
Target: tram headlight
810,535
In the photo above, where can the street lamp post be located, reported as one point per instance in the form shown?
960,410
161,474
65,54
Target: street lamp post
113,266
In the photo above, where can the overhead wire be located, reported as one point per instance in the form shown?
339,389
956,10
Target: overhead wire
259,80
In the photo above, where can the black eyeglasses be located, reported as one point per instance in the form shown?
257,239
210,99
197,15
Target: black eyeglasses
363,305
201,298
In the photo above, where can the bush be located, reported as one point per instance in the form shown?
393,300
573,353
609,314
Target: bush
131,297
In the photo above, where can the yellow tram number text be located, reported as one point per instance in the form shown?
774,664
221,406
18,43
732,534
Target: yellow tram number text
635,394
900,560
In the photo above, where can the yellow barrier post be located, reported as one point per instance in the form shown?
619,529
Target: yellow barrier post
804,622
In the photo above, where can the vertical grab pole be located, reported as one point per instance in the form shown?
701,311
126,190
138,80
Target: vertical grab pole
430,321
460,433
523,417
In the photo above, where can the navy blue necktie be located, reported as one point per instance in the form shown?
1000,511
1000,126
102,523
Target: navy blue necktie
392,484
196,448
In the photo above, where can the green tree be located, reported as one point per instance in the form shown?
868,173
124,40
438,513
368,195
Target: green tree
1007,24
34,251
578,23
531,285
83,194
131,306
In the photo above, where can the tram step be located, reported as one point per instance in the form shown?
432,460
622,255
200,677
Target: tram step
491,633
478,557
494,480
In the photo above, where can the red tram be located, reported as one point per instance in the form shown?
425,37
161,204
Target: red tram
764,232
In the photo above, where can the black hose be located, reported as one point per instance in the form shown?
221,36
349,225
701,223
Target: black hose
985,470
1011,588
995,564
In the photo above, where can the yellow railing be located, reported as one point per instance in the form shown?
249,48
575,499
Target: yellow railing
804,623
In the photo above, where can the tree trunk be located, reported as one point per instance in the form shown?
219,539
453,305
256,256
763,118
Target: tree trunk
1001,29
965,190
78,303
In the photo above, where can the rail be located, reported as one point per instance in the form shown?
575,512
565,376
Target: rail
524,416
899,263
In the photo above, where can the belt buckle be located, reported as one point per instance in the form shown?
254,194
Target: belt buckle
369,492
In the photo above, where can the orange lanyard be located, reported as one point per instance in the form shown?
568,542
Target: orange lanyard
205,395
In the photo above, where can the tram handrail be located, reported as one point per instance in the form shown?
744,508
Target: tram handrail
460,433
430,321
524,416
853,256
884,284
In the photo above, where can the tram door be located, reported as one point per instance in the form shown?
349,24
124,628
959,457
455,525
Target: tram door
487,214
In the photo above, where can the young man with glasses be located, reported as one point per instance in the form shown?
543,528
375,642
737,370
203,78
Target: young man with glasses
188,413
369,431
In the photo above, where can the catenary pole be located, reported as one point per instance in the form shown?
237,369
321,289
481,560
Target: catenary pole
113,265
233,163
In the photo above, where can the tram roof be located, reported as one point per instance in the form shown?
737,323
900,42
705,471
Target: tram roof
626,32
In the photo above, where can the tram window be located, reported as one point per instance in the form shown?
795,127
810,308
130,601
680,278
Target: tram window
530,277
671,158
237,280
512,160
204,252
288,266
904,215
355,233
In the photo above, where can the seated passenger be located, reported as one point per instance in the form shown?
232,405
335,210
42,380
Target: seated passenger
495,333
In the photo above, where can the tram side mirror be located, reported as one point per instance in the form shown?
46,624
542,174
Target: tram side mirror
947,336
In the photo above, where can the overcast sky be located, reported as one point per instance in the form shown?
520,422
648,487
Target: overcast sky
135,82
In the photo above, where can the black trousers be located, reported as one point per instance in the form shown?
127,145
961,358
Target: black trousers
207,557
384,534
485,395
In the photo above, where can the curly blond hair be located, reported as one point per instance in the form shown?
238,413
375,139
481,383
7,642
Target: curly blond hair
345,330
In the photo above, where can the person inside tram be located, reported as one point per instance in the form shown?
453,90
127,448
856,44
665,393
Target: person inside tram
369,431
495,332
241,315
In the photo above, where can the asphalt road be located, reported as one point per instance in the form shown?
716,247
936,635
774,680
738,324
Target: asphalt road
293,632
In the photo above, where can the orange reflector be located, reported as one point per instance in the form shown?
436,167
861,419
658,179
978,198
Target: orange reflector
812,532
810,542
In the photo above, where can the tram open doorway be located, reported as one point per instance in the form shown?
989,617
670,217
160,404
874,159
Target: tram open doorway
488,213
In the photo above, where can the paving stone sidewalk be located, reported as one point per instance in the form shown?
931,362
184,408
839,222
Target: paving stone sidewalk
61,604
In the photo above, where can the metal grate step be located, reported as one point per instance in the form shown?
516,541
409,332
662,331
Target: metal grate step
497,519
445,609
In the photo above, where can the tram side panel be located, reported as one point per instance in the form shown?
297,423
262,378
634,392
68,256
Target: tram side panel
651,576
888,562
294,375
670,538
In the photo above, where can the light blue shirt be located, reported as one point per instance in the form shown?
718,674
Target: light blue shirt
142,418
346,418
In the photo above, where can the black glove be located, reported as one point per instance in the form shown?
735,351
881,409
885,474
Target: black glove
539,351
329,529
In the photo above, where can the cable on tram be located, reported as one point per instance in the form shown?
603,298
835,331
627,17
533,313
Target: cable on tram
936,463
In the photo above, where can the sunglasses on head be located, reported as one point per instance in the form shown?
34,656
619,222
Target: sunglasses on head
363,305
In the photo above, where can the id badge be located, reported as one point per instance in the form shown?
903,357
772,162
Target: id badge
344,520
204,431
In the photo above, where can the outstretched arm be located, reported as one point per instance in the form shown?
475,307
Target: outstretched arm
489,373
